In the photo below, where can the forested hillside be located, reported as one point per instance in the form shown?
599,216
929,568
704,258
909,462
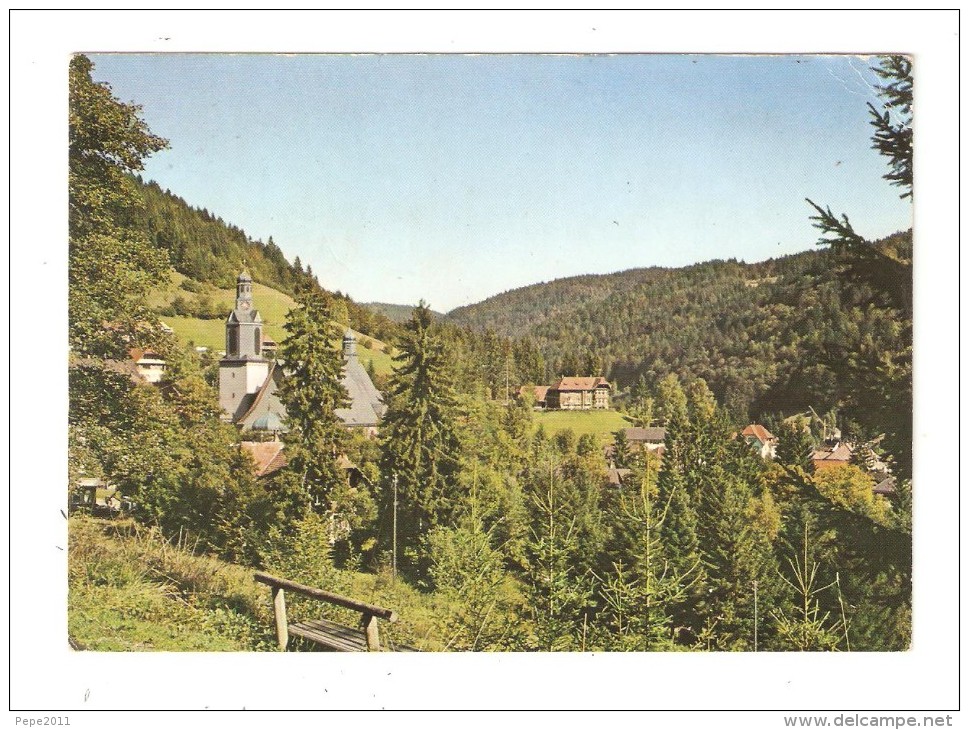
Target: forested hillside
763,336
206,249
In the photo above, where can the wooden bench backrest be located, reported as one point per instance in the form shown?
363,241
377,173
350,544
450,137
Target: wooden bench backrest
320,595
368,610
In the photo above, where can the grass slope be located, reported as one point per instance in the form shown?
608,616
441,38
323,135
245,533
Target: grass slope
273,305
129,589
602,424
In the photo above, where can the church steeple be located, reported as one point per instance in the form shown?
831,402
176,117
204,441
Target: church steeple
243,328
244,291
243,370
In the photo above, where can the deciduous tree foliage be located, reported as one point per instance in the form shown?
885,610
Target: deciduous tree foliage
163,445
111,264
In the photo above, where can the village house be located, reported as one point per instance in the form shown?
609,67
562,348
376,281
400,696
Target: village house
150,365
832,454
645,439
250,380
885,486
760,439
617,477
538,394
578,394
268,457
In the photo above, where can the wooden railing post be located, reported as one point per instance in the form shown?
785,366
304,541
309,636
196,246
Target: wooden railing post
370,627
279,612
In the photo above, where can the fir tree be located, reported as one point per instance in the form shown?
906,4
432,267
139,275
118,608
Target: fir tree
559,592
312,393
420,444
641,598
736,557
621,454
678,529
804,627
480,613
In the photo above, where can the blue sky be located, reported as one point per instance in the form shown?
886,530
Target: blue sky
453,178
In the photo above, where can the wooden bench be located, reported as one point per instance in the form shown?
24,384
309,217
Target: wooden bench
330,634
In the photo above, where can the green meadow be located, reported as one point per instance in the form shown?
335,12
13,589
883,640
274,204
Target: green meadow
602,424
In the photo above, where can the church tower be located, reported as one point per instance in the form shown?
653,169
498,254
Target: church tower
243,370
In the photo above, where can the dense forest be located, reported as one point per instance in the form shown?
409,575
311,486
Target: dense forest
518,535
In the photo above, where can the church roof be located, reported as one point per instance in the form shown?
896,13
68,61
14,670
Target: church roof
265,400
366,406
244,316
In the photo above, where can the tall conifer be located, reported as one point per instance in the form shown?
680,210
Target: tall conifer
312,392
420,444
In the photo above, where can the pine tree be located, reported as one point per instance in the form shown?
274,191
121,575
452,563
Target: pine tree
479,611
642,404
641,598
795,446
882,380
678,528
804,627
670,399
736,557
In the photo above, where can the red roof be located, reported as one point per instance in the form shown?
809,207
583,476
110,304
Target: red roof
539,391
758,432
572,383
268,455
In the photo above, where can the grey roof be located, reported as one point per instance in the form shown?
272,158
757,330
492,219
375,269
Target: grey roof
616,476
264,401
245,316
653,434
366,406
885,486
